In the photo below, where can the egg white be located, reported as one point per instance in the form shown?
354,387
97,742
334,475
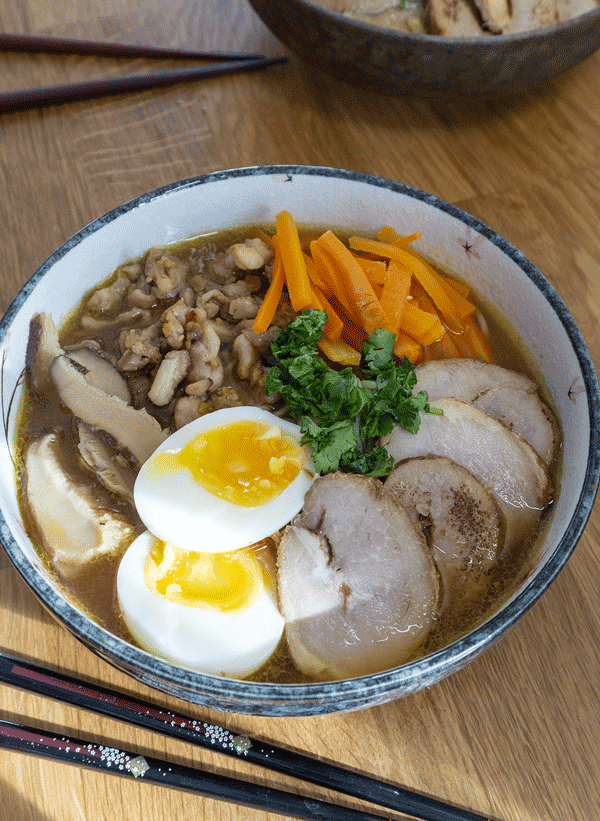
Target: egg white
233,643
178,510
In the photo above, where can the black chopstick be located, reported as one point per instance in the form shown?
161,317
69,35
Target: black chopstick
63,45
52,95
34,741
114,704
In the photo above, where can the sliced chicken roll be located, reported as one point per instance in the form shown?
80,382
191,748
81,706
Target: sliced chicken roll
460,518
510,397
504,462
357,584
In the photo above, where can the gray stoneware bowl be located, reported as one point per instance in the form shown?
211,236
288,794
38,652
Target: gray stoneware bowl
451,238
429,66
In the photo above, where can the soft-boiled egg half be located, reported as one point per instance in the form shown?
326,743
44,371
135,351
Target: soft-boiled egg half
225,481
213,612
198,588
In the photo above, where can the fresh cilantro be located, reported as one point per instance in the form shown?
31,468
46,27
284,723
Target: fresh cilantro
343,416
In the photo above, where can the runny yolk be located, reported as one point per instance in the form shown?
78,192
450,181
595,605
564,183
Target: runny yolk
214,581
246,463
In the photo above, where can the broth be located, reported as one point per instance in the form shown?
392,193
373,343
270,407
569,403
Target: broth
93,588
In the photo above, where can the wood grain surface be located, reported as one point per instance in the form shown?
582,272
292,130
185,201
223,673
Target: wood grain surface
514,735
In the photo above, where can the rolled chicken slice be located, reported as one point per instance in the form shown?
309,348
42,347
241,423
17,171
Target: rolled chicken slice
510,397
504,462
357,584
459,517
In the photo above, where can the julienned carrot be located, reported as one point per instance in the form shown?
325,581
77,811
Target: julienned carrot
407,347
317,275
463,307
396,288
466,341
266,238
422,326
355,281
375,269
266,312
339,351
480,342
471,342
333,325
443,348
463,289
389,234
296,275
326,269
420,270
402,242
361,295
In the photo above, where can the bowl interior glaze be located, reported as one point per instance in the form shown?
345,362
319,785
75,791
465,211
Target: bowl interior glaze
452,239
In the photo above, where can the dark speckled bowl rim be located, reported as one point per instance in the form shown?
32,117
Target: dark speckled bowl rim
443,39
319,698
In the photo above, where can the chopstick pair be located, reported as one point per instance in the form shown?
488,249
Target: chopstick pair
33,97
99,699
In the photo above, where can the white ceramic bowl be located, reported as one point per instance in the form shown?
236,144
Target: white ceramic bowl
452,238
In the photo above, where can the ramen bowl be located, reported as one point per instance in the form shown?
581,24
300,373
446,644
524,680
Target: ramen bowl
452,239
429,66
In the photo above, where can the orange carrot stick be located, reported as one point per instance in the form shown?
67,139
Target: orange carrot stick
266,312
333,325
339,351
480,342
326,269
317,273
443,348
296,276
402,242
266,238
389,234
422,326
421,271
422,298
356,283
375,269
463,289
463,307
405,346
394,292
472,342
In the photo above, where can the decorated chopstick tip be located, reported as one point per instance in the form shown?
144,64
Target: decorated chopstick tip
138,766
241,744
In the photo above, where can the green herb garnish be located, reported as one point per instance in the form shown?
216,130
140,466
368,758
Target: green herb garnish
343,416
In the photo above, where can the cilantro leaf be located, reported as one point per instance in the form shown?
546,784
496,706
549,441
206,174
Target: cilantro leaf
342,416
333,446
377,353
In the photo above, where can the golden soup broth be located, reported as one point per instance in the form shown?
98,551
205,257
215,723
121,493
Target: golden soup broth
93,588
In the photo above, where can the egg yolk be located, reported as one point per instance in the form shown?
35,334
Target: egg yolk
245,463
214,581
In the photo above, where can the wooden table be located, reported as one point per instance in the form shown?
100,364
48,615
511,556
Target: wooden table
514,735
